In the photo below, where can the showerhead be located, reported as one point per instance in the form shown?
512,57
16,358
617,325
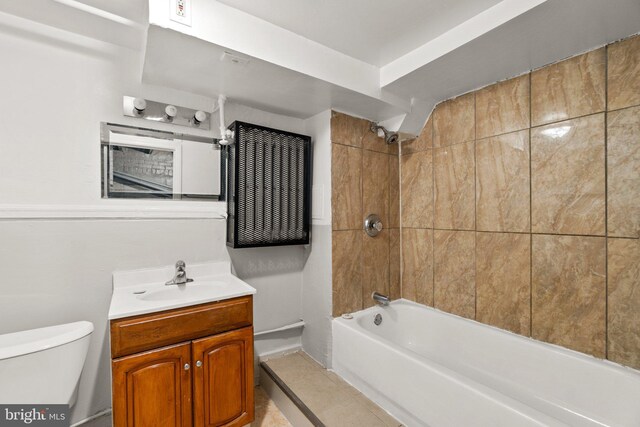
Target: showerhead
389,136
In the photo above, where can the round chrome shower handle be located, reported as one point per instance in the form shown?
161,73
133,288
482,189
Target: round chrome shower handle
372,225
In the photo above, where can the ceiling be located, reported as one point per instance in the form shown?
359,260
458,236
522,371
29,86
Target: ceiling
374,31
120,22
386,60
193,65
548,33
135,10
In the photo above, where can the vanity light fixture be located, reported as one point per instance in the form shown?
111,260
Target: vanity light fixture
147,109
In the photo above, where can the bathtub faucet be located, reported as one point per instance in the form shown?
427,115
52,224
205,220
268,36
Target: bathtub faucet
380,299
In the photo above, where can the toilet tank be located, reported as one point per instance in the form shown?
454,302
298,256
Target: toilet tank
43,366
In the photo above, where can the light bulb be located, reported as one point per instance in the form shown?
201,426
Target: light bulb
170,111
199,117
139,105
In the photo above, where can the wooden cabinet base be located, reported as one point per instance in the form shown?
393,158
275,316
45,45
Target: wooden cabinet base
153,389
224,380
204,382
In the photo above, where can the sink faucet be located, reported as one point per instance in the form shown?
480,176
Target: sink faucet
180,277
380,299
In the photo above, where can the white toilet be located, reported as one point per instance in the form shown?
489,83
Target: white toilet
43,366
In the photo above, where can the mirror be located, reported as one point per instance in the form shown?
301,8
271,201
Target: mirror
153,164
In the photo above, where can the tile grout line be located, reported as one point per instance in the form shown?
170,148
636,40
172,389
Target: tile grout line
529,128
530,210
475,205
400,240
388,160
433,209
361,148
362,216
556,122
606,202
516,232
456,143
621,108
519,232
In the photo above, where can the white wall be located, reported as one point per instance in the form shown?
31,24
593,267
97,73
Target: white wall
55,89
60,271
316,290
276,272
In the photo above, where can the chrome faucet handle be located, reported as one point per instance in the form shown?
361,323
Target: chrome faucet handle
180,276
181,269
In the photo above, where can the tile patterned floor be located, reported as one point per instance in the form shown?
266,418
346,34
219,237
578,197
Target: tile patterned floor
330,398
267,414
335,402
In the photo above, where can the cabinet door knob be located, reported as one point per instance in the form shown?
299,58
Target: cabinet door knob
198,363
186,366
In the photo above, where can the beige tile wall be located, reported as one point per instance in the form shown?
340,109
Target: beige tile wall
521,205
364,180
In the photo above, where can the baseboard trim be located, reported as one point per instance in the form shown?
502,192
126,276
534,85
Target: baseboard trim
93,417
279,352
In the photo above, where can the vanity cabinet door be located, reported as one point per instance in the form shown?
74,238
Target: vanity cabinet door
153,389
223,379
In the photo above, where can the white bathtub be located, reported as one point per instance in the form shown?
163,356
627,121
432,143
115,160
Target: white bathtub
430,368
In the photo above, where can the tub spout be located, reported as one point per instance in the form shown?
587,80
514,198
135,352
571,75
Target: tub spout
380,299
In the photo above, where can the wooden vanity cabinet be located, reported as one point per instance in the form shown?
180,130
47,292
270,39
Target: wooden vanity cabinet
204,382
224,381
153,388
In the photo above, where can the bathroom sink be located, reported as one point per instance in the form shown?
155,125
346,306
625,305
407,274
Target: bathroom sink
181,292
144,291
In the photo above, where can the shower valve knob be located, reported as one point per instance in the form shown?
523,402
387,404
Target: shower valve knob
372,225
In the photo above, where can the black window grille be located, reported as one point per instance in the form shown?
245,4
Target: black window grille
269,187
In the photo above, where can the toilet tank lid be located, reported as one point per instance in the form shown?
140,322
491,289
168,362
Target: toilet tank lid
24,342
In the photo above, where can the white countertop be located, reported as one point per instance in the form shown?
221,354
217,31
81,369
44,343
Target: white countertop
144,291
